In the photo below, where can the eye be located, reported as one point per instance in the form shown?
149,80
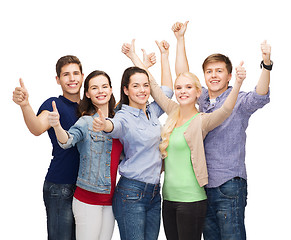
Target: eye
146,85
77,73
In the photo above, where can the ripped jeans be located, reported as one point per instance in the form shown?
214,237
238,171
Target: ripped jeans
226,211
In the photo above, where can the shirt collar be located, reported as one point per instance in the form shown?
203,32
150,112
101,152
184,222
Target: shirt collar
221,96
66,100
134,111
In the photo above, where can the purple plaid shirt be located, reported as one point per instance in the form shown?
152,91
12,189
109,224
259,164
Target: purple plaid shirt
225,145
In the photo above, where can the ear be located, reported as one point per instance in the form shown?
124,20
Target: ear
199,93
125,90
229,77
58,80
87,95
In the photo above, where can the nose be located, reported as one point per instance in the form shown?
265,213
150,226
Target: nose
142,89
72,77
213,74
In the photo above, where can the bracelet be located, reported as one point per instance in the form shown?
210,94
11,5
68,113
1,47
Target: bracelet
268,67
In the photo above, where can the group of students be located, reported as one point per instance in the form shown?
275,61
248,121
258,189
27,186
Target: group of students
201,151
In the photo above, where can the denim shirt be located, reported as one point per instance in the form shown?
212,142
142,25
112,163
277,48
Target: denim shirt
140,137
95,155
225,145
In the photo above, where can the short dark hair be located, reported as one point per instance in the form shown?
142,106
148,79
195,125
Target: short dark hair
125,82
67,60
86,106
217,57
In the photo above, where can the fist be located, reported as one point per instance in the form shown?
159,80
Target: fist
266,52
20,94
54,117
240,72
179,29
99,123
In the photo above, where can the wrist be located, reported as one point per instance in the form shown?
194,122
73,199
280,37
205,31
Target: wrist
267,64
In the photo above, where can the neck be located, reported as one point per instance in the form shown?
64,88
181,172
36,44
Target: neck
73,97
104,109
215,94
186,113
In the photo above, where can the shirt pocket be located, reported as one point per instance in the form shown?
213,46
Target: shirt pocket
97,141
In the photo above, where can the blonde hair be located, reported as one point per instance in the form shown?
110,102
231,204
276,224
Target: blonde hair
174,116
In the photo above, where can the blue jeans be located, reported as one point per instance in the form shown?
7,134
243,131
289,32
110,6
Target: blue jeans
226,211
137,209
58,202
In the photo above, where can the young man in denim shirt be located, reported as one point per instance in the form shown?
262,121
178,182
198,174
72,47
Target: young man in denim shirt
59,185
225,145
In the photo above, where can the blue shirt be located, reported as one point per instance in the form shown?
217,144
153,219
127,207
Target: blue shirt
64,166
225,145
95,155
140,137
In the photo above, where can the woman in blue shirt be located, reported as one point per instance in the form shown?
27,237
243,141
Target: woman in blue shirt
137,201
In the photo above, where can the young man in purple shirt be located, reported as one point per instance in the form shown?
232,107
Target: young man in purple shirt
225,145
59,184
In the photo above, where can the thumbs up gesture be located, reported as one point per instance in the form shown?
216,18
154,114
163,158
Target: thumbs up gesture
99,123
54,117
240,73
266,52
20,94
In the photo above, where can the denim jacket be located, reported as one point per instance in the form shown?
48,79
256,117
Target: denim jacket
95,155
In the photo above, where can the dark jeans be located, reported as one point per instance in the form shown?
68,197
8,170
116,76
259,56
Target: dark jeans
226,211
137,207
58,202
184,220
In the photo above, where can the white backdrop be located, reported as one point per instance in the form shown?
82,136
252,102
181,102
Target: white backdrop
34,34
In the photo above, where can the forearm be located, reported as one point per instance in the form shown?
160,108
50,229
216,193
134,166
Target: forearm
36,124
166,76
61,134
181,64
232,97
264,82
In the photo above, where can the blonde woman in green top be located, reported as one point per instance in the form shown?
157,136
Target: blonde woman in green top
184,198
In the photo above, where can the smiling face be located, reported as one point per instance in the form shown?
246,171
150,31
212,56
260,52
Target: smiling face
99,91
216,78
71,80
187,90
138,90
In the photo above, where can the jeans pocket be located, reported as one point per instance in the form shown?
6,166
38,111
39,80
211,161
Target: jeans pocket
229,190
130,196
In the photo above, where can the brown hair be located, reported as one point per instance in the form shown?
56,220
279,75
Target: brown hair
86,106
67,60
217,57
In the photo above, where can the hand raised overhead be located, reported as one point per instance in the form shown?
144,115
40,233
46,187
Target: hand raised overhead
179,29
240,73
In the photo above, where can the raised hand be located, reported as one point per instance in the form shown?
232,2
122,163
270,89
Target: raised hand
99,123
54,116
164,47
149,59
179,29
128,48
20,94
240,73
266,52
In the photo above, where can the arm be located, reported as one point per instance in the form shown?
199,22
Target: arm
36,124
217,117
102,124
181,64
163,101
264,80
54,121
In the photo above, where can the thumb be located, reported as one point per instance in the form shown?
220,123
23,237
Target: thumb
21,83
241,63
54,105
186,23
101,115
133,43
144,53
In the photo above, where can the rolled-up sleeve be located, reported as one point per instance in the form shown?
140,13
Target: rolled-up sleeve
253,101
